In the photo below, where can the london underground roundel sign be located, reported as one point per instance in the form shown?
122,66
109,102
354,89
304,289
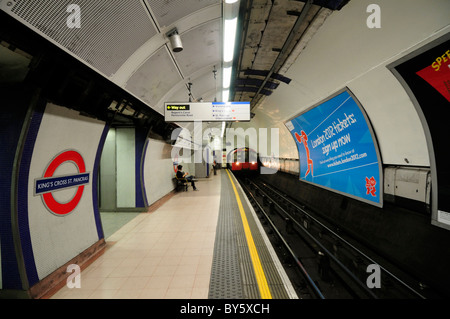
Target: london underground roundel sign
49,183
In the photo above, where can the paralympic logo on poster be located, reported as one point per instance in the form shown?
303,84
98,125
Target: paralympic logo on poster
49,183
336,148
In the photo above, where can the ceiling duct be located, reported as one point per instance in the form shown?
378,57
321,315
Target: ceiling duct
329,4
281,56
98,42
274,35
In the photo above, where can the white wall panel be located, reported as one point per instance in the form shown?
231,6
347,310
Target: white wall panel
107,176
158,170
126,166
397,125
57,239
155,77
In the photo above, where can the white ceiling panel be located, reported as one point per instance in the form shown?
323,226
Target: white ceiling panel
166,12
204,86
127,42
154,78
203,41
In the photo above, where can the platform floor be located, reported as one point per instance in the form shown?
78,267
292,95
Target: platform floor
173,252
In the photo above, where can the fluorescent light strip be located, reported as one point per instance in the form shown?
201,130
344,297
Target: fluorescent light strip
225,95
229,39
226,77
223,129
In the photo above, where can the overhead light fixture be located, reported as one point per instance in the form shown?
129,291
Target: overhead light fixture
223,129
230,16
227,77
229,39
231,10
225,95
175,40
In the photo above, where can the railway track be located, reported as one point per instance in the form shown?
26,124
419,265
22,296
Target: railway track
321,262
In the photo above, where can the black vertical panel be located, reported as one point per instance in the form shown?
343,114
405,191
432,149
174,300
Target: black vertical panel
23,176
12,118
435,108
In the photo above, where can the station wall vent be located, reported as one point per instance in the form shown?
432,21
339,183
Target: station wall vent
109,33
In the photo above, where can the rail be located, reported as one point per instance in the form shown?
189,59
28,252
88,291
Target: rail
303,270
322,248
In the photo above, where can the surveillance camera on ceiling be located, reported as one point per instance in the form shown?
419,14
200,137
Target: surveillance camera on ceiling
175,40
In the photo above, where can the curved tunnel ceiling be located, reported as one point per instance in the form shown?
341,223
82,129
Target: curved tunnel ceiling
127,42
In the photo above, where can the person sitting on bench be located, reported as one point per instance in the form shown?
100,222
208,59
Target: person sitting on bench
189,178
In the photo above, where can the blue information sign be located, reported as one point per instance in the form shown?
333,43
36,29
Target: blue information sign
338,150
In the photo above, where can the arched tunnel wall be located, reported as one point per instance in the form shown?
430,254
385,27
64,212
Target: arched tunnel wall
359,61
158,170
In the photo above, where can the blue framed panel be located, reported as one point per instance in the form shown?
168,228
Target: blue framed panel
338,149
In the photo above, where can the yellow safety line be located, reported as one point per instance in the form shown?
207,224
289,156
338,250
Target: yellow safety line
257,267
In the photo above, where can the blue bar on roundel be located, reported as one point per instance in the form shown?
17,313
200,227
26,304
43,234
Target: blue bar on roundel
50,184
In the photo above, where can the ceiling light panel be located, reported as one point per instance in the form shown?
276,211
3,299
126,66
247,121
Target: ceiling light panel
154,78
168,12
229,39
204,42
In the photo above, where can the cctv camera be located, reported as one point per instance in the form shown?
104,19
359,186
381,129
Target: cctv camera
175,41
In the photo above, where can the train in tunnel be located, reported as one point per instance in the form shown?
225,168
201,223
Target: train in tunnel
243,159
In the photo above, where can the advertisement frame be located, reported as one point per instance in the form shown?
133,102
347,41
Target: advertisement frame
392,67
374,140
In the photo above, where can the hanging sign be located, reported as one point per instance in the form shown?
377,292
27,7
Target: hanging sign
207,112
